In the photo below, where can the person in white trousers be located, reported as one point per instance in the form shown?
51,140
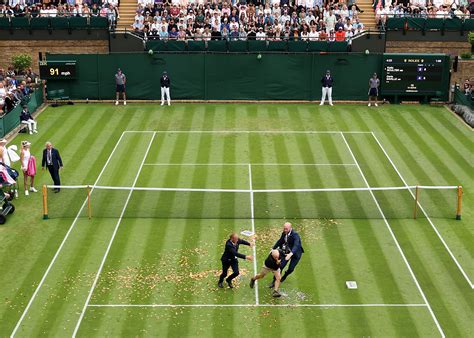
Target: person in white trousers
165,88
26,118
326,83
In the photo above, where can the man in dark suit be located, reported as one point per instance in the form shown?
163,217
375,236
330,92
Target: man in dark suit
290,244
229,259
52,160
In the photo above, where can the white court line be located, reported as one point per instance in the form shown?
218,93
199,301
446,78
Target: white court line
254,248
253,164
104,258
249,305
426,215
17,326
395,240
249,131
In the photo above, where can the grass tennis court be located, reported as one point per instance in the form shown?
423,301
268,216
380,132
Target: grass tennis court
147,262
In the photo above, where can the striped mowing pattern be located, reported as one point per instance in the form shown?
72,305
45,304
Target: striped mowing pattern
428,145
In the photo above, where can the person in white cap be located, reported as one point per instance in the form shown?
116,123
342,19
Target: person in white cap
28,166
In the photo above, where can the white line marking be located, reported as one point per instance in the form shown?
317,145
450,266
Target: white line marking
249,131
104,258
395,240
254,164
17,326
426,215
251,305
254,248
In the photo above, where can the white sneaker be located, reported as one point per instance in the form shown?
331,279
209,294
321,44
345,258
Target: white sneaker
27,193
162,103
369,105
124,103
35,131
31,133
169,103
32,189
321,104
376,105
16,193
331,104
116,103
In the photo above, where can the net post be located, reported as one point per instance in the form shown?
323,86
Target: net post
45,202
415,210
459,206
89,209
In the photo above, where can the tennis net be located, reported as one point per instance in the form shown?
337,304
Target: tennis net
339,203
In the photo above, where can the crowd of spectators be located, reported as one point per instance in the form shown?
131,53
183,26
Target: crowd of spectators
15,89
61,8
313,20
442,9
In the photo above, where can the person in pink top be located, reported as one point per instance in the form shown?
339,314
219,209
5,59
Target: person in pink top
28,166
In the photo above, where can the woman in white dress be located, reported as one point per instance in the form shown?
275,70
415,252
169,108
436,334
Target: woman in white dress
27,167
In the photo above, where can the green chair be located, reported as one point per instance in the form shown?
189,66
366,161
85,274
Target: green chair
277,46
196,46
20,23
4,23
78,22
217,46
60,23
40,23
238,46
58,96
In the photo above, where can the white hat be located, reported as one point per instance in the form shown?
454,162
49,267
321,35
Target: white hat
25,143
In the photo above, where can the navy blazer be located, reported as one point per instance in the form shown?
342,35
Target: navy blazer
294,243
56,160
231,251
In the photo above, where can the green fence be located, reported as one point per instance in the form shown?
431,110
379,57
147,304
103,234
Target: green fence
220,76
462,99
422,24
238,46
53,23
12,120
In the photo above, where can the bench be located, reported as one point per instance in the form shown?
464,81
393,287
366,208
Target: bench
58,96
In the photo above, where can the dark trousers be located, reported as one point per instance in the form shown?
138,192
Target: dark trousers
294,260
225,267
54,172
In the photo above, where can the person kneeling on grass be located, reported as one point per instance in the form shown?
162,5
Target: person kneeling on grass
229,259
272,264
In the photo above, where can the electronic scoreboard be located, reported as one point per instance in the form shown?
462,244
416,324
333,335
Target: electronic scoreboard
415,75
64,70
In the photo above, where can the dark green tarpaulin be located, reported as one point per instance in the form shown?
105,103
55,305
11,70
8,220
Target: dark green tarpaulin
220,76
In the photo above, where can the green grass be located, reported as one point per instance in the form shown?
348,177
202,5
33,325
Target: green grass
167,247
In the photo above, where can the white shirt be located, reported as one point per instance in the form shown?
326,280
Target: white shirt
260,36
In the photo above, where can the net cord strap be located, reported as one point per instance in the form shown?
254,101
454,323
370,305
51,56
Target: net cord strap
99,187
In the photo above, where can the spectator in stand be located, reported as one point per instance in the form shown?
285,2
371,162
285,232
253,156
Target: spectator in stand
467,87
340,34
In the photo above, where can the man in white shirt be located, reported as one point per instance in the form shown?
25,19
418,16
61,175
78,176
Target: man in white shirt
261,34
330,21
